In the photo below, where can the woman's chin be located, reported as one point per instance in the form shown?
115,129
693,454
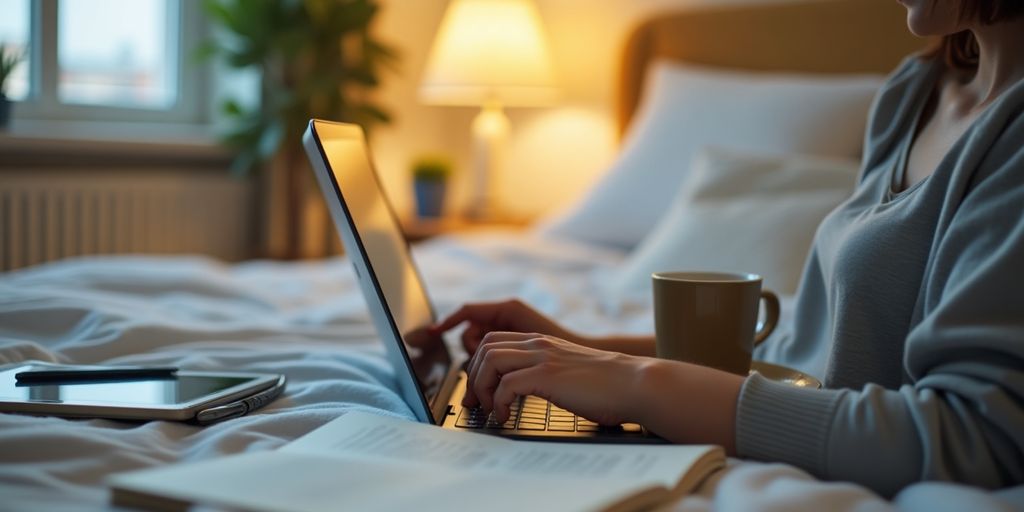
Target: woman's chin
925,18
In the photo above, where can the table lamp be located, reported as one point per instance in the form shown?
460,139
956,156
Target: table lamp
491,54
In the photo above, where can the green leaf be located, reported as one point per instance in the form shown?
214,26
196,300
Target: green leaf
205,51
362,76
368,114
245,58
218,11
231,107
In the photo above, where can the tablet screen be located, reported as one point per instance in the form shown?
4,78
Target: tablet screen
177,390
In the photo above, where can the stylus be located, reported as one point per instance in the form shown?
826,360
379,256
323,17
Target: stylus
91,374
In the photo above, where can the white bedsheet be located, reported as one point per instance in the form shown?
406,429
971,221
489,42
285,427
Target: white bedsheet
308,321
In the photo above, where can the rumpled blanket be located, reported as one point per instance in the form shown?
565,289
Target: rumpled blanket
308,321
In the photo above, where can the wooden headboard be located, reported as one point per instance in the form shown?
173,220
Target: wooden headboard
832,36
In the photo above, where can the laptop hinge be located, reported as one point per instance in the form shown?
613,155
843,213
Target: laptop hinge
441,405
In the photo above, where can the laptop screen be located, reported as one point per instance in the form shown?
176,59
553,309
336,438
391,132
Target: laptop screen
379,242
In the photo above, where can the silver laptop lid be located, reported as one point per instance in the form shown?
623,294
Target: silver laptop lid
388,277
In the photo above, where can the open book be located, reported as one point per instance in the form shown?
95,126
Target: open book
363,461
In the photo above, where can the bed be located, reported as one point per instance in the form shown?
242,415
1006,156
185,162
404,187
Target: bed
308,319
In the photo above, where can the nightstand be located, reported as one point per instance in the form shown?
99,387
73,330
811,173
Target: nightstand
418,229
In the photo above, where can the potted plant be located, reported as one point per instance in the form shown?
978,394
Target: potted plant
8,61
430,180
317,58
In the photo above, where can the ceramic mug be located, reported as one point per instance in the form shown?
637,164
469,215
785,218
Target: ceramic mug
710,318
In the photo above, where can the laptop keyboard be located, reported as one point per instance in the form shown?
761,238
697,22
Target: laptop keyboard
533,413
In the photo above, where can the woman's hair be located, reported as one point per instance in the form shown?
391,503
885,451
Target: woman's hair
960,50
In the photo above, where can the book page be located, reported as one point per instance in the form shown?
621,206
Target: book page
299,482
375,436
364,461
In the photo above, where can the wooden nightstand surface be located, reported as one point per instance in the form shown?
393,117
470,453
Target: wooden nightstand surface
417,229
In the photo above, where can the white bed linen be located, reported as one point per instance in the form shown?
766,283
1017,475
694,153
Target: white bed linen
308,321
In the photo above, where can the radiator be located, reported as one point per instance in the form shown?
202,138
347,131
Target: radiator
45,216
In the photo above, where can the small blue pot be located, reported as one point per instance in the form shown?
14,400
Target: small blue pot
429,197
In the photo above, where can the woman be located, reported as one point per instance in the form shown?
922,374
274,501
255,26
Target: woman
912,298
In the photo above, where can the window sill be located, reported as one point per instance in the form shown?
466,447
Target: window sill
86,143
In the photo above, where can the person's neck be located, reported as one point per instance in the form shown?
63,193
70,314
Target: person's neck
1000,61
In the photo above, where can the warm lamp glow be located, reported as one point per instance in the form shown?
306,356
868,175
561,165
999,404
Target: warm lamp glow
492,54
489,52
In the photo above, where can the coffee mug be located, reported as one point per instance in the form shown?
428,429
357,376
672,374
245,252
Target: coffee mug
709,318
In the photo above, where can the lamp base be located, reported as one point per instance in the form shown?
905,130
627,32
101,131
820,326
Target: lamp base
490,137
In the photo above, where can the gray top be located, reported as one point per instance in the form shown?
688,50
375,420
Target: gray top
912,308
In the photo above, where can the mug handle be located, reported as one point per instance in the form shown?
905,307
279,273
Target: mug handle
771,309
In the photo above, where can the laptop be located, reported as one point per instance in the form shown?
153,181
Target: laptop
430,381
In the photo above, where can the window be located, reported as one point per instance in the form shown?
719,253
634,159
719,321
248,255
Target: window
14,39
105,60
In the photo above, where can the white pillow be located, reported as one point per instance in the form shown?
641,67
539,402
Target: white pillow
741,212
686,107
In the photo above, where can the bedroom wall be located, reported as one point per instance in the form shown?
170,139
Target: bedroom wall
554,153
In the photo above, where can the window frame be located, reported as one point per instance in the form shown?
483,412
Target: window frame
42,103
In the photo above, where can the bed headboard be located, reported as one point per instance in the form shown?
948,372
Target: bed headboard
832,36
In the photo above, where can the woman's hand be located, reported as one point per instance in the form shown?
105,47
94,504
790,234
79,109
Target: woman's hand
515,316
598,385
681,402
510,316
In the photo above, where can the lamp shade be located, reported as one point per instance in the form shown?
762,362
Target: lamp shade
489,51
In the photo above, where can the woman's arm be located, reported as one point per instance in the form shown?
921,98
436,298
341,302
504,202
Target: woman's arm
633,345
961,417
687,403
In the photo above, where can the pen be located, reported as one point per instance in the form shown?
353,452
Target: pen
95,374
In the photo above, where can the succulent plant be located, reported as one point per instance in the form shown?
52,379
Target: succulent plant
8,61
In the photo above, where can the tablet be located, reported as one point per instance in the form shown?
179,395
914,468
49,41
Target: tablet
202,397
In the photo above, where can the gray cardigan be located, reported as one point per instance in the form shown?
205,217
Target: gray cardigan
911,306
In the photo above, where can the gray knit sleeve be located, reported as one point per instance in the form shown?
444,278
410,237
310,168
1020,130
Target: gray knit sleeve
961,416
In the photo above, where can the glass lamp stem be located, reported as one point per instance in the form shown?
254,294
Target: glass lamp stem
490,137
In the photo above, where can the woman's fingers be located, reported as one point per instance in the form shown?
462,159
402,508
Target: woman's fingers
481,318
501,336
493,340
472,337
507,315
592,383
526,381
495,365
482,313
